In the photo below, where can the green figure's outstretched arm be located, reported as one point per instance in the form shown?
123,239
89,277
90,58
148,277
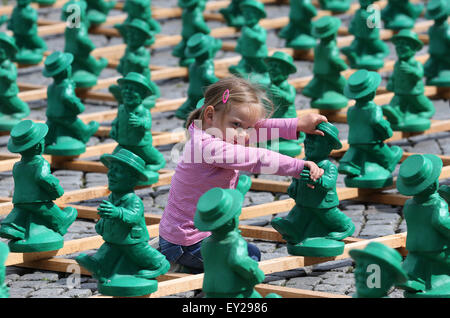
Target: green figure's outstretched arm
10,72
130,214
441,220
48,182
243,265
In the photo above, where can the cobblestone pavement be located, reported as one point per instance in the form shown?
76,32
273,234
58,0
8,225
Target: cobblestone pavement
371,220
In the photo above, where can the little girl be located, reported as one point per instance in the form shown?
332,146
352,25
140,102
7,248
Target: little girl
232,117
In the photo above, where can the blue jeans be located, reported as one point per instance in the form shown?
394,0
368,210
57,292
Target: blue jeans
190,256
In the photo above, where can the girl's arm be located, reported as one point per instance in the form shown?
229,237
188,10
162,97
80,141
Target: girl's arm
222,154
271,128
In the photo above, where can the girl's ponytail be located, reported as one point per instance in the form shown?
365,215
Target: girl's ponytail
194,115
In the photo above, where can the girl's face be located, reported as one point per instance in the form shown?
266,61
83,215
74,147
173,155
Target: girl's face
233,126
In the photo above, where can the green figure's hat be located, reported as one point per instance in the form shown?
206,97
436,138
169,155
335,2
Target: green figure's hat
256,5
9,42
383,255
437,9
361,83
409,36
25,135
198,44
128,159
140,25
332,133
284,59
325,26
56,62
216,207
139,80
417,173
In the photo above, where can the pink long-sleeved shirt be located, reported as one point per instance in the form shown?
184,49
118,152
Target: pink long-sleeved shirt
209,162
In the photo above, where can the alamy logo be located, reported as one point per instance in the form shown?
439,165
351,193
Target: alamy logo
374,279
374,18
73,19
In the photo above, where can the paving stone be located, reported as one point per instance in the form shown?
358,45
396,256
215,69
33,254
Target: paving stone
34,284
334,289
303,282
49,277
261,197
47,292
265,247
331,265
20,292
78,293
259,221
372,231
291,273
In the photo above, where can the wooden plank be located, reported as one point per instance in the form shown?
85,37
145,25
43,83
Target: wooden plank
289,292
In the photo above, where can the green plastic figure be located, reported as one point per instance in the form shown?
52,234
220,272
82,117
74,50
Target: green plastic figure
252,45
367,51
368,162
409,110
23,24
193,22
201,72
12,108
86,68
97,10
136,59
4,251
67,134
378,268
35,224
139,9
437,67
45,2
229,271
132,126
316,226
400,14
125,265
335,6
428,221
282,94
327,86
298,32
233,15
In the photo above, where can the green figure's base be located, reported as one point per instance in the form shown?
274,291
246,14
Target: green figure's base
414,125
29,57
7,122
127,286
38,238
330,101
286,147
65,146
338,6
317,247
302,42
400,22
374,178
185,62
443,292
84,79
442,80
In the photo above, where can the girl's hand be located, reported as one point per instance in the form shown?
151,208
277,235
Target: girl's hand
315,172
308,123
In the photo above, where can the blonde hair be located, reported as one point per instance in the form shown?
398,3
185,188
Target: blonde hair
242,92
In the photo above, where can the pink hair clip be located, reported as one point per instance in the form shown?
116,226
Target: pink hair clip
225,96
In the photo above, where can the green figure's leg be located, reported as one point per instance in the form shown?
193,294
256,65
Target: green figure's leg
178,50
14,106
188,106
348,164
152,262
421,105
36,43
312,88
154,160
431,67
385,156
79,129
292,226
13,226
57,219
339,225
